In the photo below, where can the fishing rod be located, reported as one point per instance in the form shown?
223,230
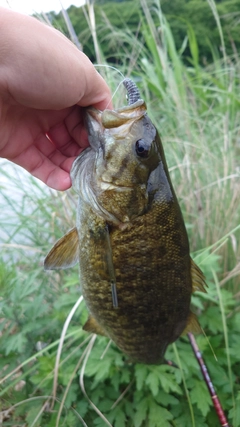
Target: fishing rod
216,402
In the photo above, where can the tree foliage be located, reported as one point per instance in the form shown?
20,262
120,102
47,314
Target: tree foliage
128,15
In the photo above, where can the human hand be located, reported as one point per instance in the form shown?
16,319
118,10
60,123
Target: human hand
44,83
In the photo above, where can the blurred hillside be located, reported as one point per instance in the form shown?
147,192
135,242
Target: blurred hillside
182,15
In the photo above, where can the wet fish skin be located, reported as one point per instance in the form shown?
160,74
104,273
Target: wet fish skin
132,236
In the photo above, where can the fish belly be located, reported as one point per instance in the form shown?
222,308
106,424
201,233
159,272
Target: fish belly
153,280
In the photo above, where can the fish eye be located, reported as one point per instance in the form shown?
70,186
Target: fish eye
142,149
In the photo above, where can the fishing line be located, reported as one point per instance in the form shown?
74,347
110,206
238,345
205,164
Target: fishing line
116,90
110,66
118,71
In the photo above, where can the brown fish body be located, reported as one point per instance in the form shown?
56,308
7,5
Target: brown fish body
135,269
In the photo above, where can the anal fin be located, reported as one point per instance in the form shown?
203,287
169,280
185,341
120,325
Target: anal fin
192,325
91,325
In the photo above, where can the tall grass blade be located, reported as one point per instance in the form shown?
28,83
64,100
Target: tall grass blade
178,360
70,28
60,346
81,379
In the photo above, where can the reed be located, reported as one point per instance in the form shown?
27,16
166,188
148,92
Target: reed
197,112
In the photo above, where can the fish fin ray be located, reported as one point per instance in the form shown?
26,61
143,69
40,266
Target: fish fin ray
103,252
192,325
92,325
198,279
64,253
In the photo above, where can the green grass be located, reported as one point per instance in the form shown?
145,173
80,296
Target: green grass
197,113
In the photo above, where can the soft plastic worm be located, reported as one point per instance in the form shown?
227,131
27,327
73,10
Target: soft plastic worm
132,91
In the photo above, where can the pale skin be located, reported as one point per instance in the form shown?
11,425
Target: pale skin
45,82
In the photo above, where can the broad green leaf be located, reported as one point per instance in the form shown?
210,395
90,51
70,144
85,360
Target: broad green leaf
152,381
200,395
35,412
168,383
165,399
159,416
141,372
141,412
16,343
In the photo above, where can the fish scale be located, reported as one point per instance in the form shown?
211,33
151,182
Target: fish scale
130,240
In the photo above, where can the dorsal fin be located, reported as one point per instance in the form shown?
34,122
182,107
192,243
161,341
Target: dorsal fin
198,279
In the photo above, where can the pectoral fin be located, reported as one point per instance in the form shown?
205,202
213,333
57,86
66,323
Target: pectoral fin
64,253
198,279
192,325
91,325
102,251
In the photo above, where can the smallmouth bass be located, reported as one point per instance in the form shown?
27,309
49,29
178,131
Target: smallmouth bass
136,272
